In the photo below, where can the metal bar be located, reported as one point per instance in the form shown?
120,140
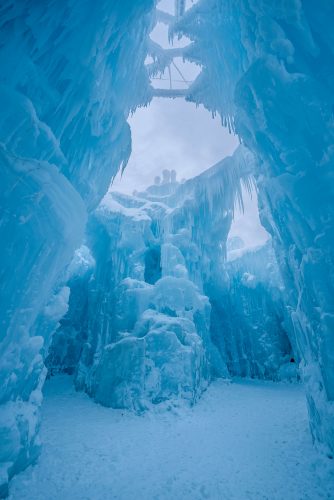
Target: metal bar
170,78
170,93
179,72
165,18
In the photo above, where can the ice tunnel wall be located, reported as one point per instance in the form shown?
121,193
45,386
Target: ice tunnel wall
270,76
71,73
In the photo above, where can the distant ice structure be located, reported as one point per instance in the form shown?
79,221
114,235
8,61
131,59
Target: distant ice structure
64,101
252,323
270,75
146,335
159,303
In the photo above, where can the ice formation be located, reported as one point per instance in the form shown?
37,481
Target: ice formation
252,324
269,73
150,288
161,313
63,136
146,335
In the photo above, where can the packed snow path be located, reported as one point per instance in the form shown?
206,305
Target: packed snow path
246,440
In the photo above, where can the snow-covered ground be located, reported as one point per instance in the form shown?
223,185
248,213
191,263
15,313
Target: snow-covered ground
245,440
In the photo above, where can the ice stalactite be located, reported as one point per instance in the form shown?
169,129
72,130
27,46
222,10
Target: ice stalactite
71,73
269,73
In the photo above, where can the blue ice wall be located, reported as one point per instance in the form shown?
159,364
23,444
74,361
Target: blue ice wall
70,74
71,333
270,76
251,322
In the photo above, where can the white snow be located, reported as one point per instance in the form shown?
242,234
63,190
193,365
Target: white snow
243,440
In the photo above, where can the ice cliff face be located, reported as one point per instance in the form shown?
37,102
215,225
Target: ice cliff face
269,74
63,135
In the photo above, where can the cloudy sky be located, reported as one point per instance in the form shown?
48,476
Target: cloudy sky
172,133
175,134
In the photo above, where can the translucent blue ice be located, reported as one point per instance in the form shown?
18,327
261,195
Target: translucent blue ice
142,311
71,73
163,312
270,75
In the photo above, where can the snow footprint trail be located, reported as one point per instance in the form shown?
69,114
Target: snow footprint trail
246,440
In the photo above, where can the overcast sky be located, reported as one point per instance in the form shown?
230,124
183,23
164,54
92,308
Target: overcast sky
175,134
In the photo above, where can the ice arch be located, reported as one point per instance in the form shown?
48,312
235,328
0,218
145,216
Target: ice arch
270,76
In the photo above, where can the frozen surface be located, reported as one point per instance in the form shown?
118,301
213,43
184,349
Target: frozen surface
209,451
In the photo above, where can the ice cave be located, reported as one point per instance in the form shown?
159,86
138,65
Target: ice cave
167,249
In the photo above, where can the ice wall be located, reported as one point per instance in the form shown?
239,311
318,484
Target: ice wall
71,73
72,329
269,73
252,325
